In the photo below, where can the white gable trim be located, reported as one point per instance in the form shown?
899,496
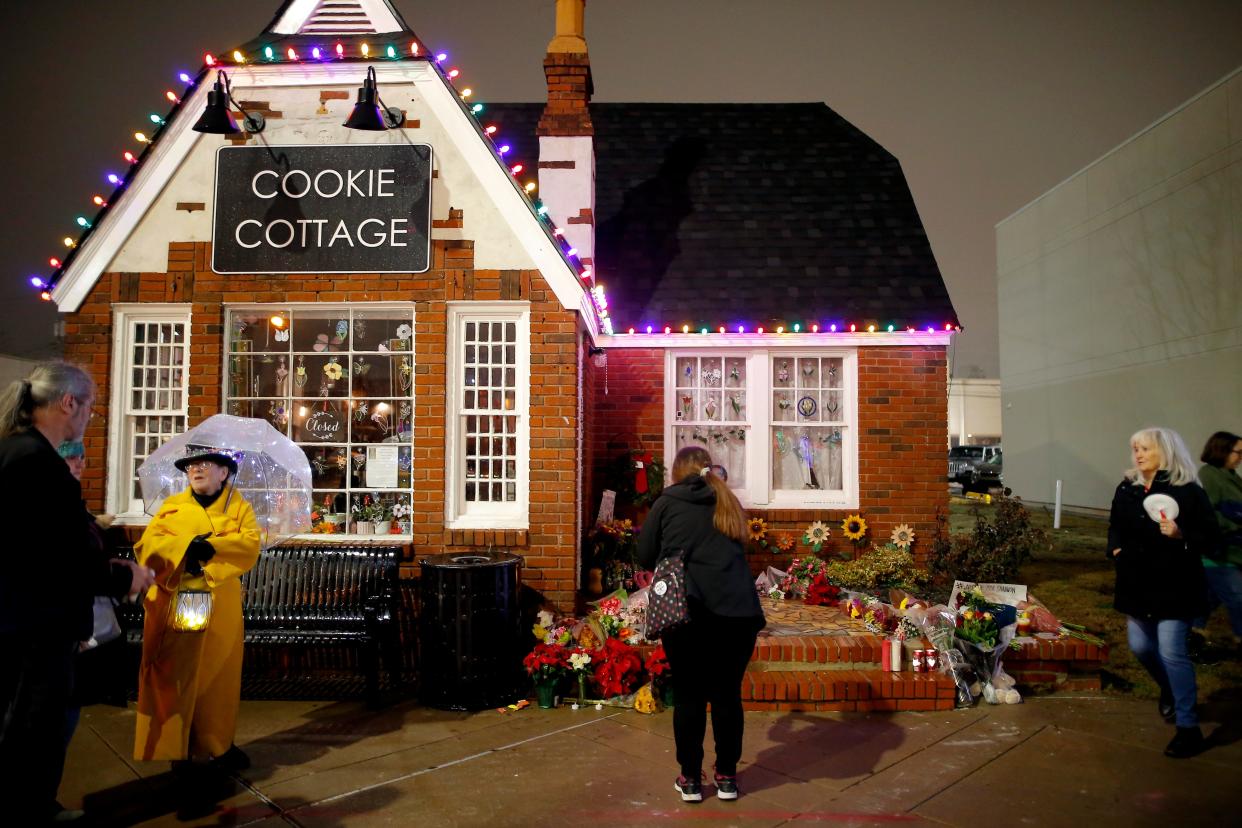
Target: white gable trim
175,143
371,17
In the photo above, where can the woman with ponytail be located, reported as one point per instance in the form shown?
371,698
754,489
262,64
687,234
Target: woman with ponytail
699,515
47,583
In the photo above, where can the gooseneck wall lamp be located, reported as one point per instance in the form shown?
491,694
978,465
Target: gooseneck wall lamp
370,113
218,120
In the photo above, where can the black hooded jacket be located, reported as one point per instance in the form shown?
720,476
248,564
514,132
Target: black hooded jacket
54,564
1160,577
718,575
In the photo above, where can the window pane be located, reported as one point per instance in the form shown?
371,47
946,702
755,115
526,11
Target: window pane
337,379
727,446
382,330
807,458
490,455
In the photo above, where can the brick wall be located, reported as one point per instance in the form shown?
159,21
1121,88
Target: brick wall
902,423
549,545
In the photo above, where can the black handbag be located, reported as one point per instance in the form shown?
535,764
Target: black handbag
666,602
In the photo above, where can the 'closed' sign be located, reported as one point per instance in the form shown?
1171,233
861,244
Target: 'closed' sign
322,209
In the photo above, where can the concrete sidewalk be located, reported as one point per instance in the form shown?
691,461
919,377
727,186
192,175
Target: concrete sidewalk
1052,761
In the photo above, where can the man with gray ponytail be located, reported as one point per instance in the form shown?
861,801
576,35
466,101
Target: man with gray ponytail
47,583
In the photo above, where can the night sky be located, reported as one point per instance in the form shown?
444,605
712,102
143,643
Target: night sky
986,104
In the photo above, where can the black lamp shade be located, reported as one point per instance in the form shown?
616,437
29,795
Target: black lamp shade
216,118
366,114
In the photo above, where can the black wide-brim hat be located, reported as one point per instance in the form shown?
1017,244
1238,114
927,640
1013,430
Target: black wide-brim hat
223,457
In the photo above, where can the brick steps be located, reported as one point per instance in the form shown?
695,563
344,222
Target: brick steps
836,672
1063,664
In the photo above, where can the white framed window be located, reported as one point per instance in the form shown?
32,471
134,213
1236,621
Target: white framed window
150,393
338,380
488,409
782,422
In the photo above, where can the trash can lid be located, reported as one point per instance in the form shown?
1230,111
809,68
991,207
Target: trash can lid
463,560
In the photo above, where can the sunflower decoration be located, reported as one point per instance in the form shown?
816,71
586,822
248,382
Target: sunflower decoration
758,530
816,535
902,536
785,542
855,530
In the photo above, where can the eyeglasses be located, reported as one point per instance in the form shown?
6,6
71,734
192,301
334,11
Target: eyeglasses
200,464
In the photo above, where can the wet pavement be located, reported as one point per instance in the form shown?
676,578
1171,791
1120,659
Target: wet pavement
1058,760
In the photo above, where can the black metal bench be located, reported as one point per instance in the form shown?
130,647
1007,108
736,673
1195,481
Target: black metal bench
315,607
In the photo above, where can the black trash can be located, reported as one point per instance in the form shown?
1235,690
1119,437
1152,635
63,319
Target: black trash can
469,631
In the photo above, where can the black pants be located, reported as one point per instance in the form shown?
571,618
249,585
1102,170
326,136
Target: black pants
707,657
36,683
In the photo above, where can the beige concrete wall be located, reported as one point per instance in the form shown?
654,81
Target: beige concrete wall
1120,302
974,411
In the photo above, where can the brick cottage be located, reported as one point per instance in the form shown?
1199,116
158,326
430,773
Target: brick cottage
439,332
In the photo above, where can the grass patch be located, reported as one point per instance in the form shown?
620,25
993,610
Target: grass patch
1075,581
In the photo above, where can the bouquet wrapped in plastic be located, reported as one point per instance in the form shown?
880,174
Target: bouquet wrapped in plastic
983,633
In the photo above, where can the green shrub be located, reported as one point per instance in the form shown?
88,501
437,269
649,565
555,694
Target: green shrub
884,567
993,551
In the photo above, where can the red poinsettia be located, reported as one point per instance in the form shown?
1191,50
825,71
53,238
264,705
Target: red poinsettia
618,668
820,591
657,664
547,662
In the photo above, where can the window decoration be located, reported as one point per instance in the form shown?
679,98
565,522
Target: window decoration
338,382
711,410
780,422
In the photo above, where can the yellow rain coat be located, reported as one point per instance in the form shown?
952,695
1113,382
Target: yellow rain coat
189,684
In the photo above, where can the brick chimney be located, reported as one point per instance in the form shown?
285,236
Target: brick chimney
566,145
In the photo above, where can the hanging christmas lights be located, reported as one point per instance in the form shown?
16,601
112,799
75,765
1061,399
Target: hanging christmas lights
596,291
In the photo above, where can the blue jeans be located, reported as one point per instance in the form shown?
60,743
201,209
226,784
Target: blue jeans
1160,646
1224,586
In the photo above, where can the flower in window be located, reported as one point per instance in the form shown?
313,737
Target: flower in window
404,332
854,528
333,371
816,535
758,529
902,536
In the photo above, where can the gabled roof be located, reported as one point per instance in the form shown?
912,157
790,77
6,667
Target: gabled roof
713,215
304,24
174,140
320,17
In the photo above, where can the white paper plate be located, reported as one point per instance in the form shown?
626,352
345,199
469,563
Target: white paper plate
1157,503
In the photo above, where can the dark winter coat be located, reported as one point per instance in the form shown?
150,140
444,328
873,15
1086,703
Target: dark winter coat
53,567
718,575
1160,577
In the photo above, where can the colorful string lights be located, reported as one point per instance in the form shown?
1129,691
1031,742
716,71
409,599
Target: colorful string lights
339,51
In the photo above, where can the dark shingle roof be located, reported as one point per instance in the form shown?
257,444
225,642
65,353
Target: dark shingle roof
748,214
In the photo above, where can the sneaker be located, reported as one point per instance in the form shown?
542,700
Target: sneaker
691,790
1188,742
726,787
1165,707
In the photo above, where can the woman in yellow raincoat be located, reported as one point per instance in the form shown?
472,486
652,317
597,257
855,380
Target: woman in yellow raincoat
189,684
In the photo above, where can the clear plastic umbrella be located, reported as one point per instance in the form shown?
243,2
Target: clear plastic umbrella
273,473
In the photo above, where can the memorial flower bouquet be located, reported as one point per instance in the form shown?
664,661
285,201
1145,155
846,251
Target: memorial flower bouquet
660,673
618,668
579,663
820,591
547,663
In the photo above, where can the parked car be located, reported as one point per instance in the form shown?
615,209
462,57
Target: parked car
963,460
986,475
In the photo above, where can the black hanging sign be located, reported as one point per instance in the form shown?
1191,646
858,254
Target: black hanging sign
323,209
